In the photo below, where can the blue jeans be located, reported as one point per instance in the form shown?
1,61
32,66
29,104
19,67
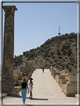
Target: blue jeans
23,93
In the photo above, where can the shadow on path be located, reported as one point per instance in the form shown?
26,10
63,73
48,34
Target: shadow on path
38,99
18,96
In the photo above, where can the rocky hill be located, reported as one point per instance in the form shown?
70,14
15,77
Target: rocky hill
59,51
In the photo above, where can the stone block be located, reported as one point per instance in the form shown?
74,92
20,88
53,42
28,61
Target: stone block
61,76
63,87
63,72
71,89
57,78
67,75
17,89
15,77
62,81
73,79
19,74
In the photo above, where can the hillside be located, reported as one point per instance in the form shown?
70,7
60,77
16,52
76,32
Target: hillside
59,51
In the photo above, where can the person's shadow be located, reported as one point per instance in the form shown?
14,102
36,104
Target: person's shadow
18,96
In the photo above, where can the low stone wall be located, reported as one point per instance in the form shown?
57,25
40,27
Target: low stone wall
66,80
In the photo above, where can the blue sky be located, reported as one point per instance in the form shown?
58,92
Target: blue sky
34,23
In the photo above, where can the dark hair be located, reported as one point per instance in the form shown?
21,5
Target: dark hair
24,79
31,78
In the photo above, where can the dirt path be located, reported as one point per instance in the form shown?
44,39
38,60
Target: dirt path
45,91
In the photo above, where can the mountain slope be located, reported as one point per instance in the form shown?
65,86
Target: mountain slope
59,51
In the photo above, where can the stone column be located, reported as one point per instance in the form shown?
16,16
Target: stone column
8,51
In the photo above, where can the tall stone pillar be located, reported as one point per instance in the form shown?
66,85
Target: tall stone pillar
8,51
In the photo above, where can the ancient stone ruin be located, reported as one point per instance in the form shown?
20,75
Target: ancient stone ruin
66,80
8,51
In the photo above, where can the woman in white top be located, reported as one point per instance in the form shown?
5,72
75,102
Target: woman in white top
30,87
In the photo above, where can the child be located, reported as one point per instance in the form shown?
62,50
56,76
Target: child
30,87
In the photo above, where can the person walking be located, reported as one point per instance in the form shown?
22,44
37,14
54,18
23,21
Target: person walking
24,88
43,69
30,87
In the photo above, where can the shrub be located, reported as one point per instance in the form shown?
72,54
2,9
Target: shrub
63,65
70,69
61,60
41,50
45,54
76,44
38,51
37,47
32,54
54,64
24,53
27,54
65,47
41,61
72,60
67,66
50,61
45,47
69,36
46,65
69,52
59,63
66,34
75,66
17,60
55,60
65,57
60,57
64,60
52,53
76,48
52,44
58,51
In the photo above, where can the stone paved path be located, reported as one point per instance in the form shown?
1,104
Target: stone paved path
45,91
